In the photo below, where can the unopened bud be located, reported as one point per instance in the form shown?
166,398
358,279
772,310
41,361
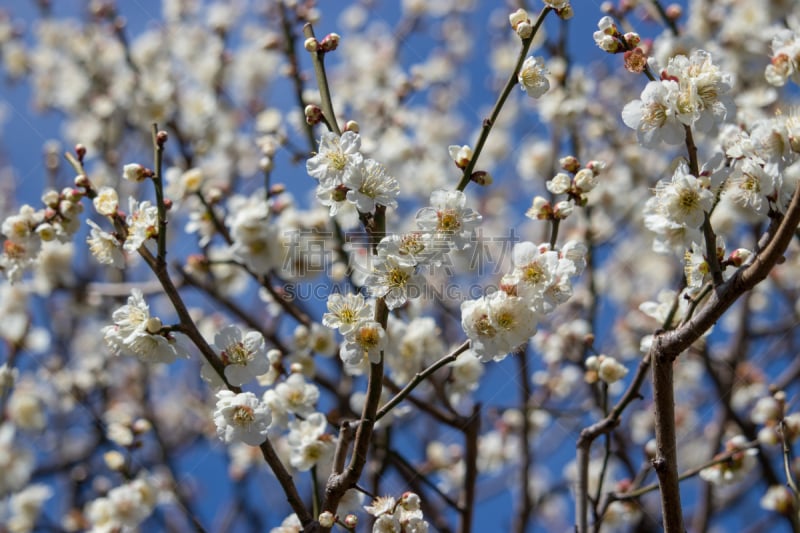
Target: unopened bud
351,521
313,114
563,209
330,42
524,30
566,13
569,163
481,177
311,45
674,11
352,125
633,39
540,209
51,198
153,325
461,155
517,17
82,180
740,256
326,519
80,151
161,138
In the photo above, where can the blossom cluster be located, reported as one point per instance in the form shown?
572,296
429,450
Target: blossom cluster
540,281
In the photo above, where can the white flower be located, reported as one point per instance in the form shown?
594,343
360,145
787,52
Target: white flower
129,319
136,333
241,418
448,216
105,247
684,200
703,100
296,395
394,281
750,182
16,463
608,369
25,507
533,77
244,358
497,324
156,348
785,62
415,248
336,154
142,224
369,185
308,441
368,339
346,311
106,202
779,499
535,270
132,503
654,117
255,240
735,468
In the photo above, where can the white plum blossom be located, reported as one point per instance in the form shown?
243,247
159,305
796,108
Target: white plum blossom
255,239
735,468
241,418
394,281
703,100
136,333
785,64
368,339
25,506
497,324
346,311
243,356
533,77
16,462
106,202
655,115
336,154
751,183
142,224
684,200
368,185
448,216
308,442
296,395
105,247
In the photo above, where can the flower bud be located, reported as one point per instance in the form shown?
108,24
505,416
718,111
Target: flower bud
311,45
461,155
135,172
481,177
326,519
569,163
540,209
351,521
517,17
330,42
50,198
633,39
153,325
